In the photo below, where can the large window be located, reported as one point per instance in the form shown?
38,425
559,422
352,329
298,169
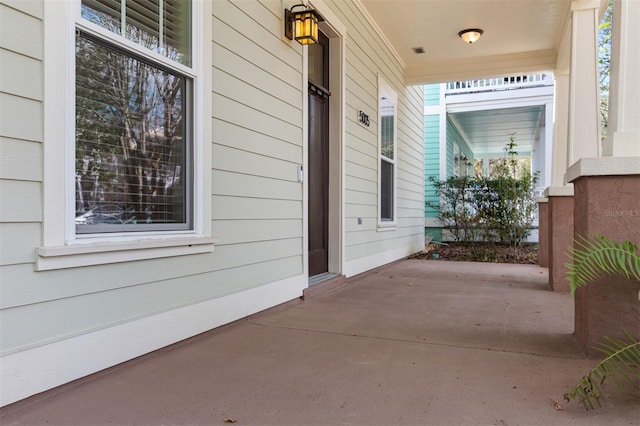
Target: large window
133,116
387,117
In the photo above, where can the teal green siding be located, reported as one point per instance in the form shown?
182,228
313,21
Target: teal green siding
433,156
434,233
431,94
431,168
431,161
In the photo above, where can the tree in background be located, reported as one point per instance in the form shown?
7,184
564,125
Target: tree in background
604,66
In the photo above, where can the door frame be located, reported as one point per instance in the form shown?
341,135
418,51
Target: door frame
336,31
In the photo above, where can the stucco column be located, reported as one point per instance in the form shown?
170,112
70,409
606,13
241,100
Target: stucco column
607,202
559,196
547,145
543,231
624,86
607,191
584,99
560,234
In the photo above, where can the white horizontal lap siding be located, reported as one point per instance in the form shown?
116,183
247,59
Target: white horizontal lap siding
257,136
78,282
99,310
260,161
381,247
366,57
256,211
21,134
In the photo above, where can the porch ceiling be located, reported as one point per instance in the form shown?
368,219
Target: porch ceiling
520,36
488,131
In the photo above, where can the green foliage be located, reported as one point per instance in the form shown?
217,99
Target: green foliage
621,366
592,259
456,211
604,65
494,209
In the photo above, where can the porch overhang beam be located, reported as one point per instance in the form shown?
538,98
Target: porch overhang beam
483,67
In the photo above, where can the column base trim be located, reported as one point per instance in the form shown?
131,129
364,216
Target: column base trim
604,166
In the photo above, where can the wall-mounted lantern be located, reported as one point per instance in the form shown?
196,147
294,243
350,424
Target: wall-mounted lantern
302,25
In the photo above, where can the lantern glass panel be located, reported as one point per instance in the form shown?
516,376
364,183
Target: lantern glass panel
306,27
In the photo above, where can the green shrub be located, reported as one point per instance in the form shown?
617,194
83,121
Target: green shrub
499,209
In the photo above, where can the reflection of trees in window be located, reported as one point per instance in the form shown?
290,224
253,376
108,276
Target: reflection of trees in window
516,168
478,168
129,134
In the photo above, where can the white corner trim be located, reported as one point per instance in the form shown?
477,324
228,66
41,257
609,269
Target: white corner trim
71,256
604,166
380,33
542,200
35,370
559,191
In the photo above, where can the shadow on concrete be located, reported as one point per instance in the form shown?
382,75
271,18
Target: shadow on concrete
416,342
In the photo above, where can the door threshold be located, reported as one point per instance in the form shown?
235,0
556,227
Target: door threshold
320,278
322,284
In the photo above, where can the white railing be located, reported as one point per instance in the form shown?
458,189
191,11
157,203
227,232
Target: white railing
500,83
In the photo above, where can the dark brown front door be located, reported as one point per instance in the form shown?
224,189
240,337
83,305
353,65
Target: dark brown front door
318,167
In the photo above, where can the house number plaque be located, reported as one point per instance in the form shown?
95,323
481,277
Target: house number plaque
363,119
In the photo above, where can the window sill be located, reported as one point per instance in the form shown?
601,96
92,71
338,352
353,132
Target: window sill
72,256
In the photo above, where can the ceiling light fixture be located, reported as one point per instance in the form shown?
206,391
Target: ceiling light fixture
470,35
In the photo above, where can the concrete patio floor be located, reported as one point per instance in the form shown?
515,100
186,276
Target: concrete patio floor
416,342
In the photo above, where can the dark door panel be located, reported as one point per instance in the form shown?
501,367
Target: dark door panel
318,166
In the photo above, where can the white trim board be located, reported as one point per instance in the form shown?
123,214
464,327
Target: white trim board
35,370
432,222
364,264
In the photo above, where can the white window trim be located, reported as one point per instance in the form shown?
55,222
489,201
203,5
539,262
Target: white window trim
385,89
61,247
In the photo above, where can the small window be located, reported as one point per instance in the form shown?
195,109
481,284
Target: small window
387,136
133,117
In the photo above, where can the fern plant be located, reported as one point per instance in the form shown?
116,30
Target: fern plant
621,365
591,260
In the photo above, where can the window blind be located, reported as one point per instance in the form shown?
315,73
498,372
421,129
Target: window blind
130,140
163,26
